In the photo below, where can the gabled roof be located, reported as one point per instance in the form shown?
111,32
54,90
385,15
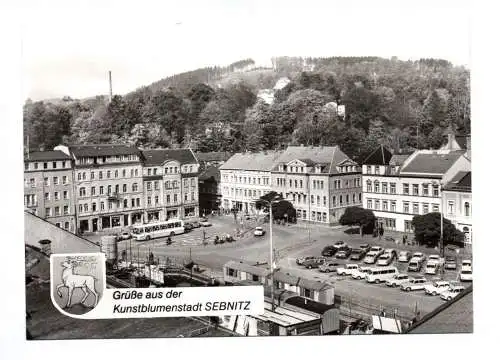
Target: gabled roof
253,161
462,181
213,156
330,156
308,162
103,150
431,162
47,156
380,156
159,156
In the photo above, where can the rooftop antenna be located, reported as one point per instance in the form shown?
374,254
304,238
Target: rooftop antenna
110,87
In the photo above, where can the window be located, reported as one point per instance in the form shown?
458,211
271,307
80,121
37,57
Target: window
312,199
92,190
425,208
384,187
86,207
109,190
368,186
117,189
359,197
435,208
393,206
149,172
94,206
58,224
393,188
134,187
347,199
377,170
124,173
48,212
46,181
377,204
318,200
56,180
425,189
467,208
324,201
148,185
125,203
368,169
334,200
435,190
451,207
384,205
47,196
66,209
377,186
415,189
100,175
300,183
324,217
56,195
80,208
124,188
45,166
313,216
149,200
406,207
65,195
231,272
138,201
116,173
82,191
175,198
406,189
157,185
110,205
340,200
156,200
108,174
102,205
155,171
168,199
415,208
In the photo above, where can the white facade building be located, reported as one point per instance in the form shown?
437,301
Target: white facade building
457,199
398,187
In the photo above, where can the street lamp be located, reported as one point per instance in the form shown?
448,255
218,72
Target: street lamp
441,237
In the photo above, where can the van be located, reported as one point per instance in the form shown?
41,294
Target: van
432,267
381,274
415,265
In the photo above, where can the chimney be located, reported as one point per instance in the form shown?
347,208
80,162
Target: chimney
450,138
469,150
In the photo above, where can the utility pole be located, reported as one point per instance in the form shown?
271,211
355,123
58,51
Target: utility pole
110,87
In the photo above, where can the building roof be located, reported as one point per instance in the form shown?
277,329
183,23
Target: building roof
397,160
380,156
309,305
46,156
159,156
454,316
461,141
252,161
213,156
210,172
103,150
462,181
247,268
430,162
330,156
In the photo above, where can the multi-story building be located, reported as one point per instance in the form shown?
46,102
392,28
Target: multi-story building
210,189
457,198
170,184
320,182
397,187
107,185
48,187
245,177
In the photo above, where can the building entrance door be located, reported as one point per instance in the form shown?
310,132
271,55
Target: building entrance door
94,225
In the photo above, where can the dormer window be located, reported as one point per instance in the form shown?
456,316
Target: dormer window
368,169
377,170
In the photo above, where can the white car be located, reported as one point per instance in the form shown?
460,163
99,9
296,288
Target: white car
419,255
467,265
466,275
434,257
384,259
347,269
377,249
397,280
414,284
360,273
436,288
432,267
404,256
452,292
371,257
259,231
205,223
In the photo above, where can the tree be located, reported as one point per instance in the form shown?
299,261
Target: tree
363,218
428,230
282,209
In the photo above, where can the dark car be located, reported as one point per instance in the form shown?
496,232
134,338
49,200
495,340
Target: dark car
450,263
313,263
300,261
365,247
343,253
329,251
195,224
358,254
188,227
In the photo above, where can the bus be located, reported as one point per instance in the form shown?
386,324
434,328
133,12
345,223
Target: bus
380,274
159,229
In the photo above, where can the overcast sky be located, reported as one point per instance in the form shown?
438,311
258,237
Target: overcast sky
68,49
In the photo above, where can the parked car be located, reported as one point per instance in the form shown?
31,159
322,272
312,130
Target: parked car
436,288
196,224
379,250
259,231
347,269
385,259
452,292
450,263
415,265
329,250
432,267
434,258
339,244
358,254
414,284
343,253
466,275
360,273
365,247
205,223
313,263
124,235
329,266
419,255
371,257
188,227
466,264
397,280
301,260
404,256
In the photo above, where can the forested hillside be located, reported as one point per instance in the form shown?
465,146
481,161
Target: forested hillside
215,109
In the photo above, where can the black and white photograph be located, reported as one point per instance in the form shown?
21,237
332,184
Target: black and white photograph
295,146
